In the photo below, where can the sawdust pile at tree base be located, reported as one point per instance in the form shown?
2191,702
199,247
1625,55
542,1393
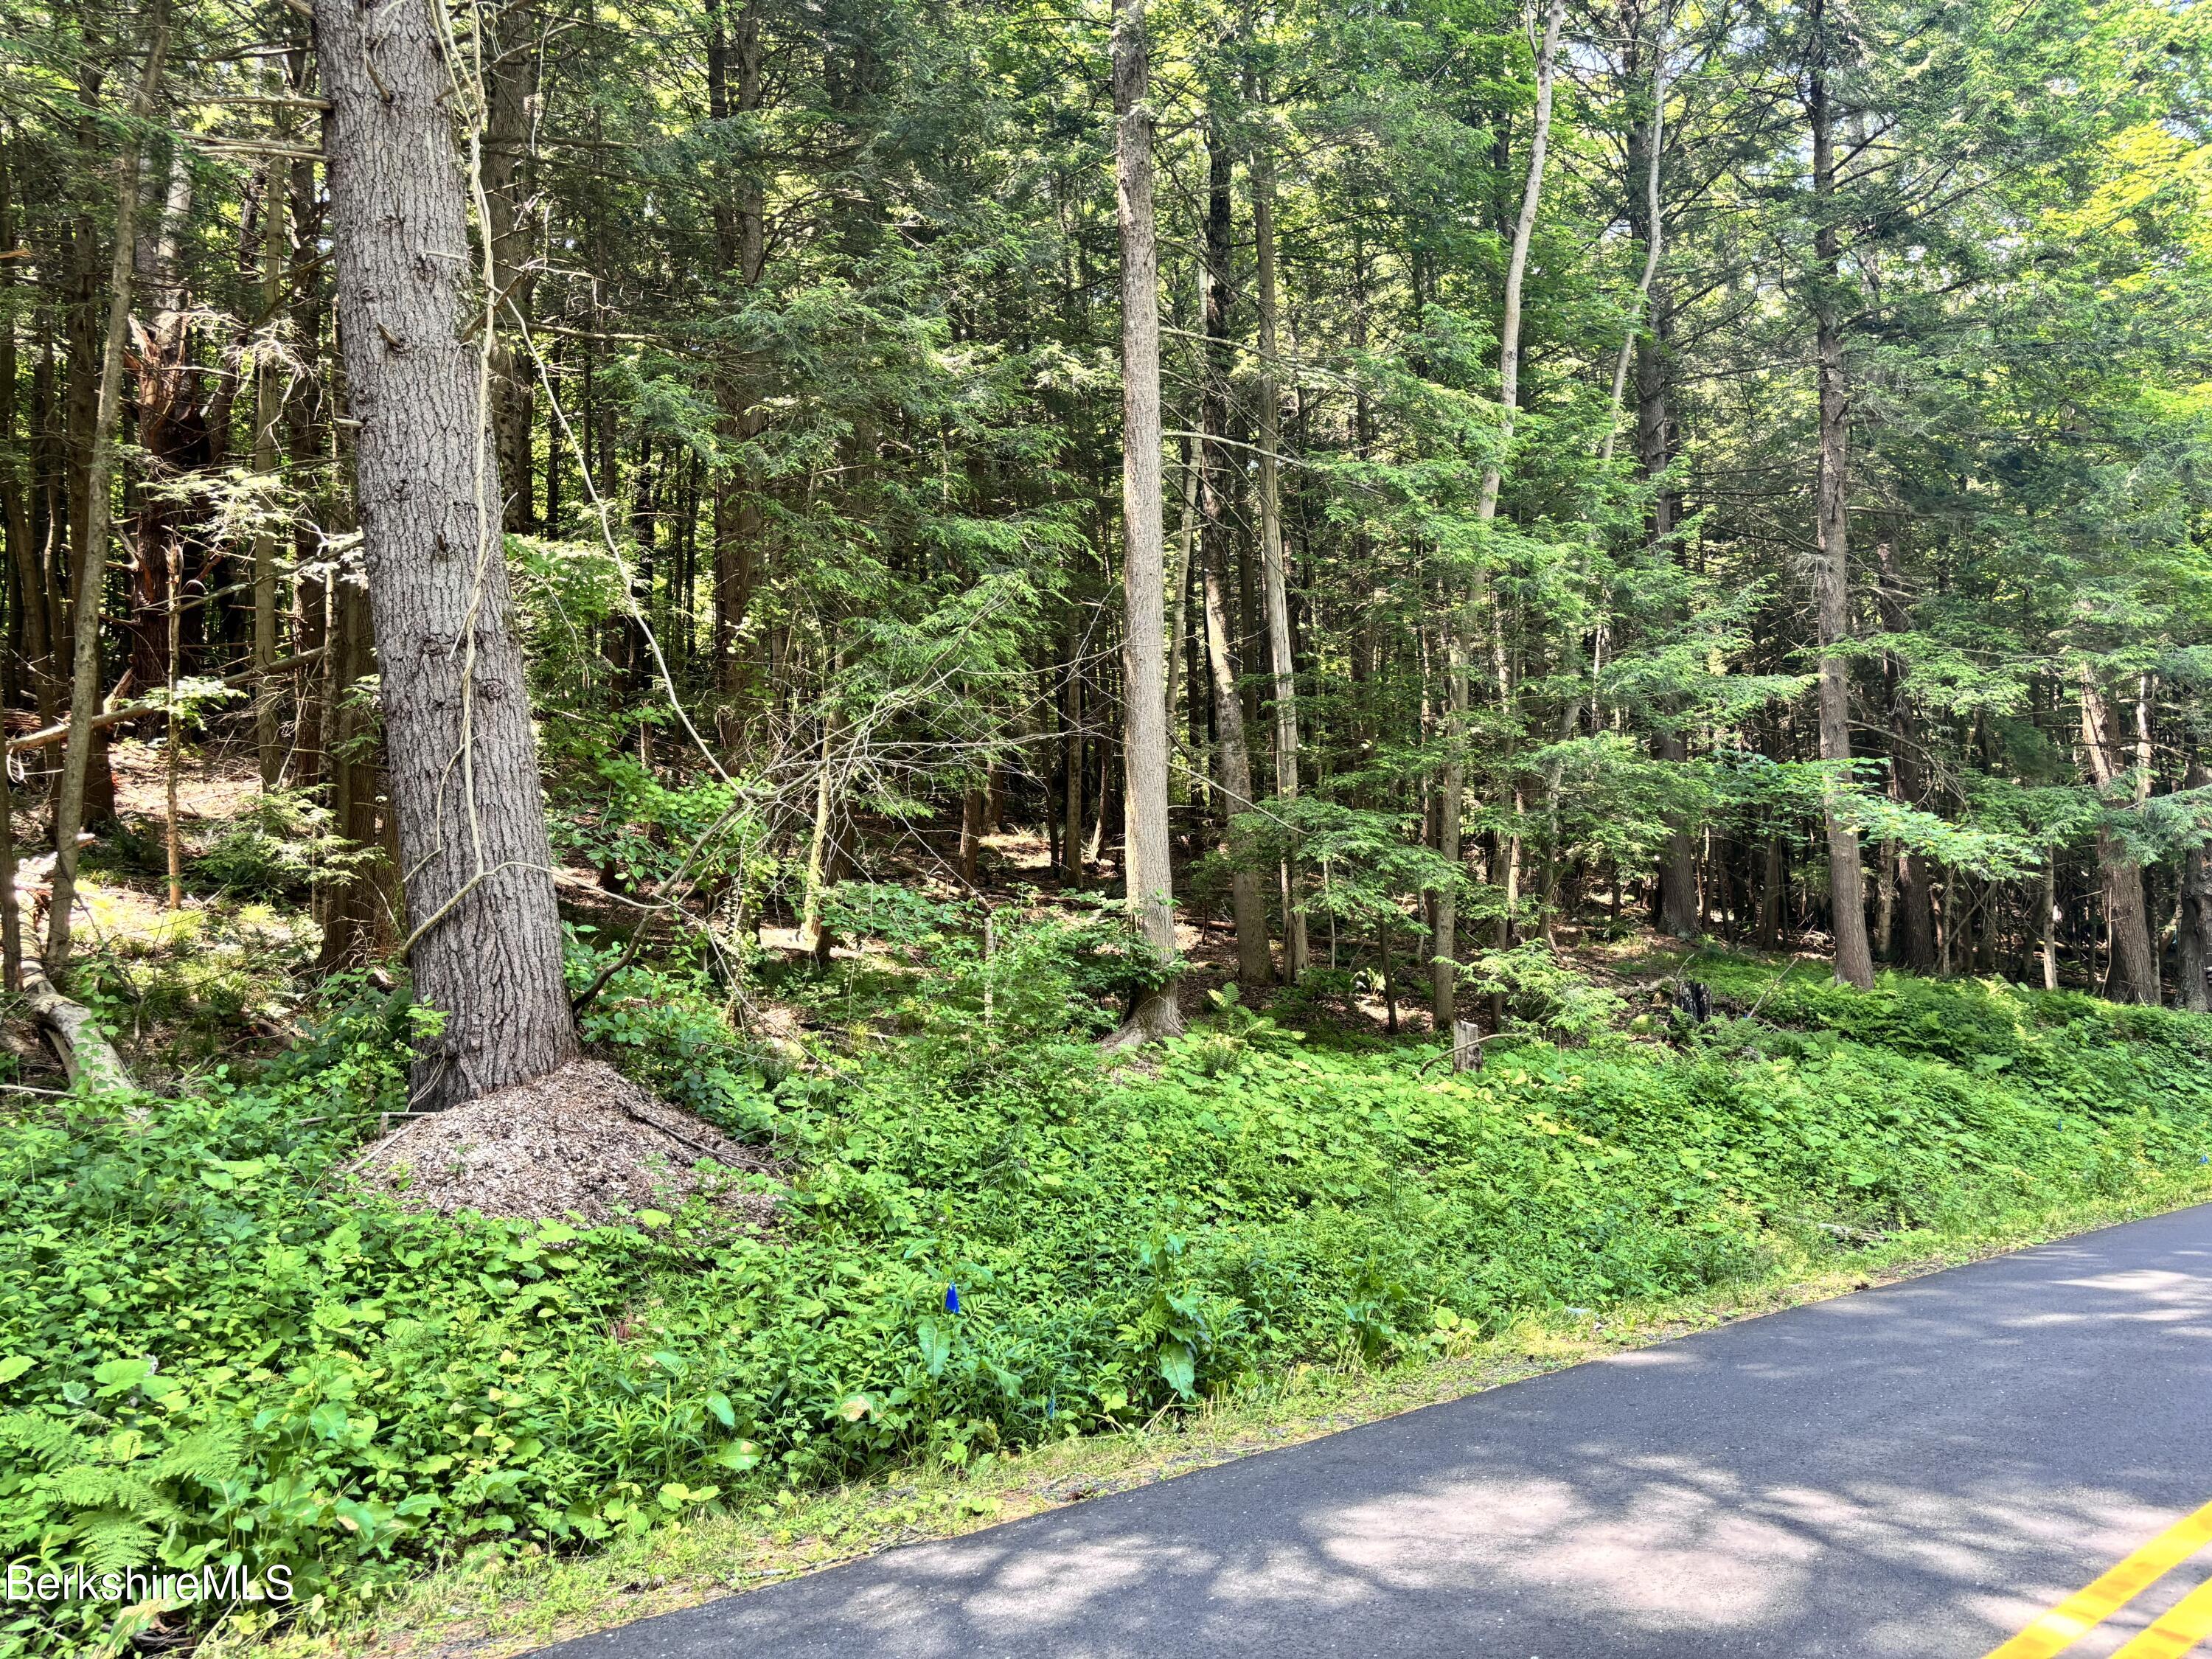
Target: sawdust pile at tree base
582,1141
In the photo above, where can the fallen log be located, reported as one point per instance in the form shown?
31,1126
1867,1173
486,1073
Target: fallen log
75,1033
48,736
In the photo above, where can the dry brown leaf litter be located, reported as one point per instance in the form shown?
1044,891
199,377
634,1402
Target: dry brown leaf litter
581,1141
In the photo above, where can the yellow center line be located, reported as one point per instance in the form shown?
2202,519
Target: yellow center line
2182,1626
2066,1624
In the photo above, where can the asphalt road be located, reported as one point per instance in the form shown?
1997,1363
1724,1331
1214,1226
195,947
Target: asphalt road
1919,1470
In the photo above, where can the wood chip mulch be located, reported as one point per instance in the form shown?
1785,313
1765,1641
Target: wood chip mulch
582,1143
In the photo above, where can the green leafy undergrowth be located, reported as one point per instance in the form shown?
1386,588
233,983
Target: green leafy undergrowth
213,1350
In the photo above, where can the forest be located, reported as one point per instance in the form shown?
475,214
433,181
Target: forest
755,741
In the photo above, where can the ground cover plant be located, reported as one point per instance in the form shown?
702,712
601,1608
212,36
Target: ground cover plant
218,1350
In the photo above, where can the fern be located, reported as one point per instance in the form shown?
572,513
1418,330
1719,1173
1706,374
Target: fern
109,1542
52,1443
106,1489
210,1457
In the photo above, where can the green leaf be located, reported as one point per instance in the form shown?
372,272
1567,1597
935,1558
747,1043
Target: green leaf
936,1345
738,1456
1177,1368
719,1405
14,1366
121,1375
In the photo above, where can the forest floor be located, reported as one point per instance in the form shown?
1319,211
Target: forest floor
961,1265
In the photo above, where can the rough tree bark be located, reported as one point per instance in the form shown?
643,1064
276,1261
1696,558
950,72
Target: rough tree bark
92,550
1832,564
1147,867
2134,971
474,855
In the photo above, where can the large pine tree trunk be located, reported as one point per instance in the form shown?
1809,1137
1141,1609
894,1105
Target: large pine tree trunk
1832,563
486,948
1149,877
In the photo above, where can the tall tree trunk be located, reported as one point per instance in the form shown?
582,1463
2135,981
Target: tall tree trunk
2194,933
92,551
1832,565
1071,768
1652,352
1254,956
1652,229
172,426
2134,969
268,412
823,848
486,945
511,72
1916,937
1269,434
355,889
11,920
1179,585
23,559
1678,858
307,434
1443,967
1772,899
971,834
173,738
1147,860
735,90
2050,922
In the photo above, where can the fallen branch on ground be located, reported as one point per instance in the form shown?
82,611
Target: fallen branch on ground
49,736
84,1049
